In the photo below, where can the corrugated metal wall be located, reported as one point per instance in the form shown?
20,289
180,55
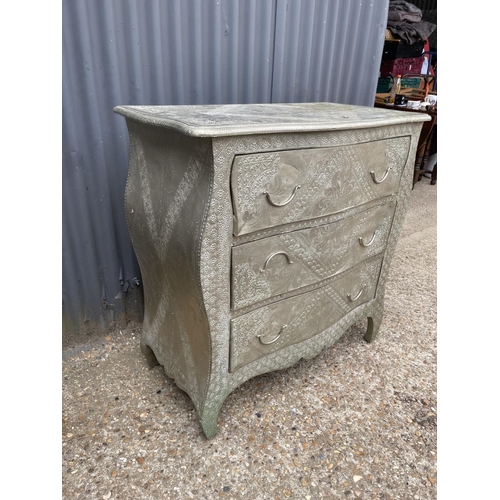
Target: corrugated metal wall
328,50
183,52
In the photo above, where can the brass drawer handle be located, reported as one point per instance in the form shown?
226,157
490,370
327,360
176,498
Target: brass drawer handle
275,338
363,244
358,295
372,173
284,203
274,255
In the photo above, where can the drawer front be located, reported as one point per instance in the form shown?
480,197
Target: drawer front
270,189
285,262
290,321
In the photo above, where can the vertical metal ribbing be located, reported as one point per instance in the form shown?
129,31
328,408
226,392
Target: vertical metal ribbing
184,52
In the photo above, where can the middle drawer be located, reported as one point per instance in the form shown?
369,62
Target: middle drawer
278,264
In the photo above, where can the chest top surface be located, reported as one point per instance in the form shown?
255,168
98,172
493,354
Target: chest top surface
244,119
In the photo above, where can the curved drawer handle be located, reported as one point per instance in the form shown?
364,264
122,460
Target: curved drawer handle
363,244
275,338
284,203
358,295
290,261
372,173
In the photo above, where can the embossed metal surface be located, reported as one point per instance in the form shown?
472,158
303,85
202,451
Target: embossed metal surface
305,315
315,254
217,239
331,180
241,119
180,218
166,197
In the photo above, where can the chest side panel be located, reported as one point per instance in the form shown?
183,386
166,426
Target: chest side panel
166,198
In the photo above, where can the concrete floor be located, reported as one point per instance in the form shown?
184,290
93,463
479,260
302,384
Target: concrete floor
358,421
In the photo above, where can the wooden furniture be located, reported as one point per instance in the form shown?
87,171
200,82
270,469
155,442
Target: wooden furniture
263,232
434,175
427,143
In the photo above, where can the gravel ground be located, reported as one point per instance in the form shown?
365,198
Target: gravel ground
358,421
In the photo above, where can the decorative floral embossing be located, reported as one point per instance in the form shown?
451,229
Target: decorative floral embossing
203,246
330,179
245,278
317,253
305,315
217,238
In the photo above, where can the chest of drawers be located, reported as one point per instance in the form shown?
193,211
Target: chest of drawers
263,232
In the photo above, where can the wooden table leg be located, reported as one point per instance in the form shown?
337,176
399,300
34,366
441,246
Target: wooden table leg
418,161
423,148
434,174
427,151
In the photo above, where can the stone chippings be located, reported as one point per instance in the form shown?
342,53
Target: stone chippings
358,421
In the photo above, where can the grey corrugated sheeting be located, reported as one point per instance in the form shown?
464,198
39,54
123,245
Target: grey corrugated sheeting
328,51
183,52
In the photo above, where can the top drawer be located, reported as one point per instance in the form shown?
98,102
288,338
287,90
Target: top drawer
270,189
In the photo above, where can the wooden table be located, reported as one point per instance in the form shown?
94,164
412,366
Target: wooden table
427,143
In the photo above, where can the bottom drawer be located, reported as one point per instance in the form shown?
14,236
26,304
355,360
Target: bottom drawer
290,321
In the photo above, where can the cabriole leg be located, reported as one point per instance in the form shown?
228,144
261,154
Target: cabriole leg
374,322
149,355
208,421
